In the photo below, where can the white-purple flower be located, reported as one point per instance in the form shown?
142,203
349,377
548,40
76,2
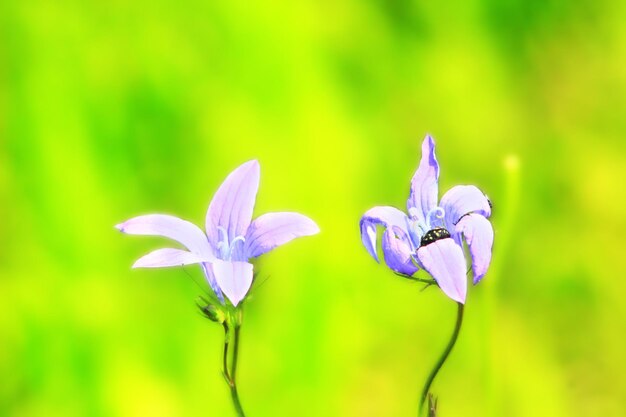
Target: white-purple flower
232,238
431,236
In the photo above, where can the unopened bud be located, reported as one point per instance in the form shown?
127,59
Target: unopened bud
212,312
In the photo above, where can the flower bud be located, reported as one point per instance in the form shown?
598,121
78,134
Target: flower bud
212,312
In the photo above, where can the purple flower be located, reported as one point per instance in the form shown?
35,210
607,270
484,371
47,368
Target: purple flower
231,238
431,236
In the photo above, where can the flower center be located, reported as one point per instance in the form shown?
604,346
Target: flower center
225,247
418,229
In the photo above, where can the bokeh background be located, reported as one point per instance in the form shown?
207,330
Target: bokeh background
114,109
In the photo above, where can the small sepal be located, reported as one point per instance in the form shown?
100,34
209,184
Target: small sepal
211,311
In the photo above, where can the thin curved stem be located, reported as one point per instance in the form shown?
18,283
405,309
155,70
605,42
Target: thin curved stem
233,385
225,371
442,358
229,374
412,278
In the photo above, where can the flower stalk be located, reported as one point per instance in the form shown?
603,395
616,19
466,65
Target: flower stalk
443,357
230,374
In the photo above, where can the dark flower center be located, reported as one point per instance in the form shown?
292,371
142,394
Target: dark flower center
434,235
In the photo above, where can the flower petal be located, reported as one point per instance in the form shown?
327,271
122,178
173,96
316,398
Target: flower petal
444,260
274,229
168,257
182,231
234,279
461,200
210,277
424,184
397,250
385,216
233,203
478,234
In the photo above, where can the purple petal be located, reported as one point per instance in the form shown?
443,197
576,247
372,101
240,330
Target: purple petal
234,279
210,277
478,234
168,257
397,250
233,203
461,200
444,260
383,215
274,229
182,231
424,187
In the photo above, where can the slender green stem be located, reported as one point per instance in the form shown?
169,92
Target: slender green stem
413,278
229,375
425,281
233,385
225,371
442,358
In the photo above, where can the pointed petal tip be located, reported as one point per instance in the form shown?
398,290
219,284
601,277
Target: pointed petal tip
308,226
120,227
235,303
459,298
138,264
313,228
455,296
478,276
234,279
253,163
477,279
252,167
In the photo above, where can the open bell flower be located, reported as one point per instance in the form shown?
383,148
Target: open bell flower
232,238
431,235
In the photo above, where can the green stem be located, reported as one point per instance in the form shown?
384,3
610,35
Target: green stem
412,278
233,385
425,281
442,358
225,356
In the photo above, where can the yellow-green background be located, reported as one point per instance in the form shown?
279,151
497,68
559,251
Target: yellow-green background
118,108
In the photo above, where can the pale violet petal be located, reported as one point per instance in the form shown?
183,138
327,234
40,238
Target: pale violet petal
397,251
210,277
234,279
461,200
161,258
424,184
182,231
478,234
444,261
385,216
233,203
274,229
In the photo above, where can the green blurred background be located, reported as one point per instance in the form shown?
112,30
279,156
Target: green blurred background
114,109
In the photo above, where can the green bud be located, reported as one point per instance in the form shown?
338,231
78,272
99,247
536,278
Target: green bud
212,312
